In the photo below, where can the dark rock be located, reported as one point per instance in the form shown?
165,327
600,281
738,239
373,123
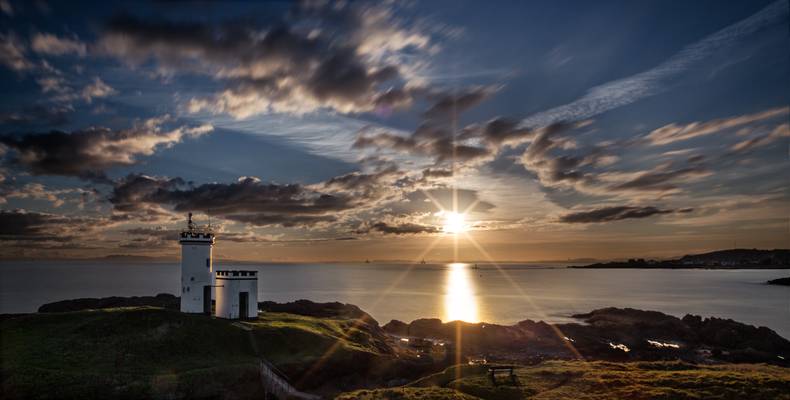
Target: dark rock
780,281
605,331
163,300
396,327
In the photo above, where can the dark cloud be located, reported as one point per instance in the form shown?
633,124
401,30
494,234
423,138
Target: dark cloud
441,150
429,141
451,104
559,169
663,178
161,237
357,181
50,115
28,226
249,200
617,213
437,173
88,153
318,56
399,229
437,199
384,140
498,131
434,136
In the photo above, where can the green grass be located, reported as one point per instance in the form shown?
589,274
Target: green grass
604,380
128,353
156,353
406,393
144,352
331,330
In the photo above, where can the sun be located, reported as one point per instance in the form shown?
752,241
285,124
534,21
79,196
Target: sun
454,222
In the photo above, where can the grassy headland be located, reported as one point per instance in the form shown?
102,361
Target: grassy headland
151,352
599,380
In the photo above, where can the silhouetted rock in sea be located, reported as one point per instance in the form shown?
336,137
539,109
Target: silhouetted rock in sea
613,334
780,281
163,300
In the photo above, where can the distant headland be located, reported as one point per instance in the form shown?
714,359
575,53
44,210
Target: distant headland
721,259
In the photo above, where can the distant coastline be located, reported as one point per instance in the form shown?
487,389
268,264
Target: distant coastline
722,259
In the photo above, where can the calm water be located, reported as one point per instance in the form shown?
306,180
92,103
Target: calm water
452,291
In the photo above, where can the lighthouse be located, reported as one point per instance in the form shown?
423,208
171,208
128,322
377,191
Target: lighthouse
196,268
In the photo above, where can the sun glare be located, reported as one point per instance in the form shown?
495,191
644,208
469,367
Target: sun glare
460,302
454,222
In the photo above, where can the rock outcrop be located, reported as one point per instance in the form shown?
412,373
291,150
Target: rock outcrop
162,300
613,334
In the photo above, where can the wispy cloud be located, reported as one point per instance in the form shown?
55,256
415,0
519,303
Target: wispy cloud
674,133
628,90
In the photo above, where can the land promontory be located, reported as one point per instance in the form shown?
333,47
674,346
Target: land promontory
721,259
144,348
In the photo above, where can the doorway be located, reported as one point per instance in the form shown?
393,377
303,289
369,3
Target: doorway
207,300
244,305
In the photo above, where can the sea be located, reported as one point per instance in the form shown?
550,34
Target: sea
501,294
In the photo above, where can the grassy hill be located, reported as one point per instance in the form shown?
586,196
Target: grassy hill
598,380
146,352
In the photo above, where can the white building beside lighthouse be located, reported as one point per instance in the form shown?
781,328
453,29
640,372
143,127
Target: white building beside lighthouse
237,294
196,268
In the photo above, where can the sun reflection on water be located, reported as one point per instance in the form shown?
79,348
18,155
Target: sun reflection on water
460,302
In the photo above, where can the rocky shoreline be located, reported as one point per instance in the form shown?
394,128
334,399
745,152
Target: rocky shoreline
143,347
609,334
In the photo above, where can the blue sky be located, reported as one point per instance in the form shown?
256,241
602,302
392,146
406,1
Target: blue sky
322,131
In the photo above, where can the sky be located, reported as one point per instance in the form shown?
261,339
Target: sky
349,131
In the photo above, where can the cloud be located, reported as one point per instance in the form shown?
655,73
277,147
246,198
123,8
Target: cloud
437,199
628,90
616,213
781,131
163,238
674,133
5,7
441,149
248,200
436,173
553,156
554,170
37,191
51,115
338,57
399,229
434,136
46,43
498,131
28,226
662,178
12,54
97,89
451,104
88,153
368,186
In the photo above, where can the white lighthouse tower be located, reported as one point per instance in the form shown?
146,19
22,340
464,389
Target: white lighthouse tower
196,268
